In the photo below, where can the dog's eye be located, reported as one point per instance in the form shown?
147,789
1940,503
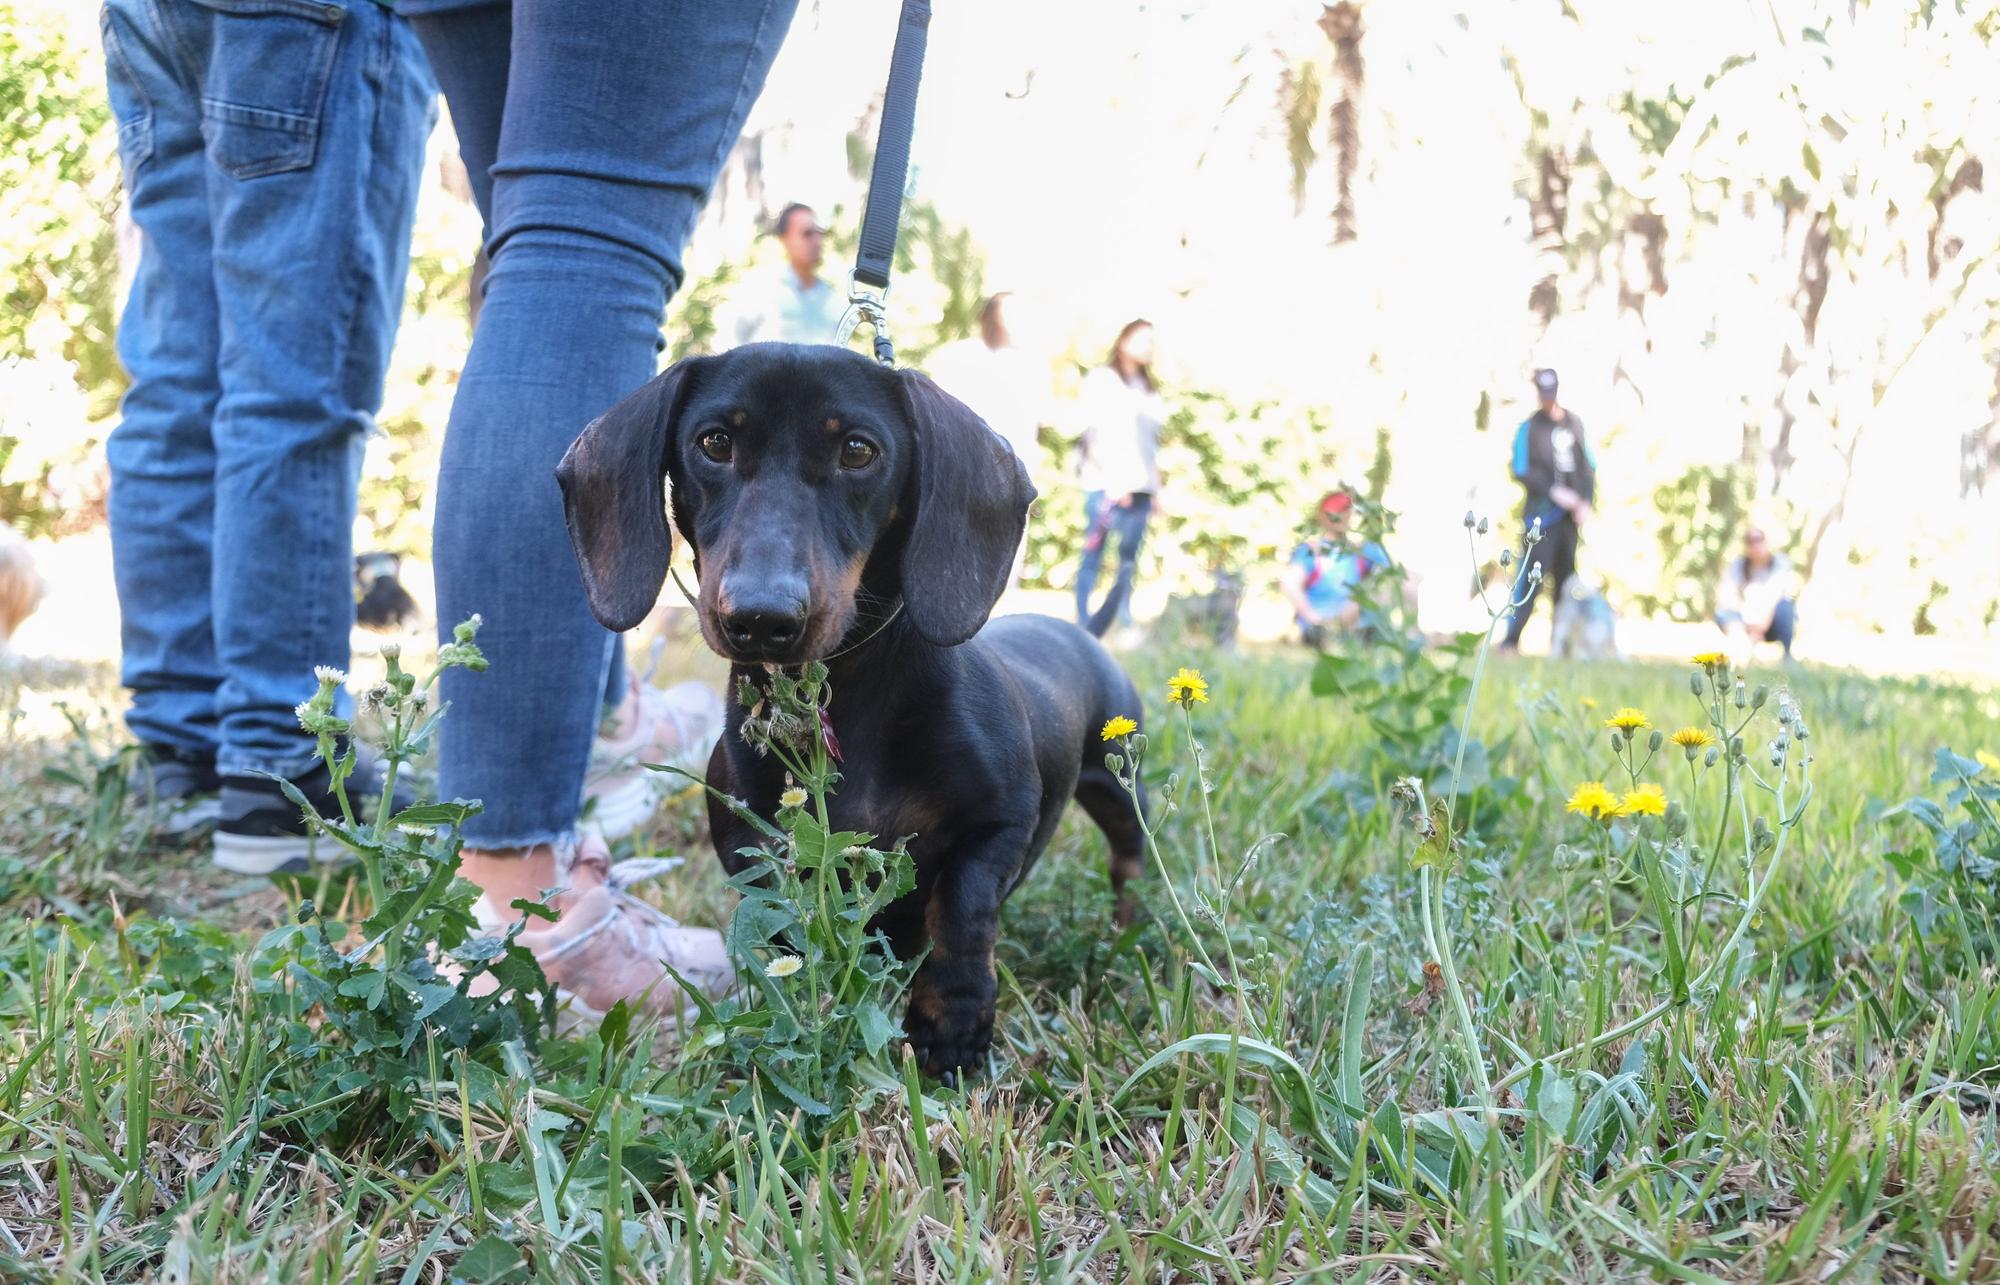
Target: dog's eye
857,452
716,445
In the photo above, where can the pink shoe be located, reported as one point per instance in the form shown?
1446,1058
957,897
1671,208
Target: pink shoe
609,945
678,726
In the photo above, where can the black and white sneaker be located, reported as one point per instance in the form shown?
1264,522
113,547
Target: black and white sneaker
262,832
179,786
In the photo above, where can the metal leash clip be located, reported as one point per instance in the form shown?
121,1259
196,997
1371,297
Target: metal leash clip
864,302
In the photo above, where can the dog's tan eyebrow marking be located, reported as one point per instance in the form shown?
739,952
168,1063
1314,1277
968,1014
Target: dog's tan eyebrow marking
737,417
833,423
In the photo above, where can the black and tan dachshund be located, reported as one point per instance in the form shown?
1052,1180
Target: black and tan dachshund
825,495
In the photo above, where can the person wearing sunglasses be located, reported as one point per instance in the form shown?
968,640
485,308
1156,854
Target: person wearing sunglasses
795,304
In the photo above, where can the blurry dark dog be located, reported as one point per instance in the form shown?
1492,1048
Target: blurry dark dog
381,602
862,516
21,586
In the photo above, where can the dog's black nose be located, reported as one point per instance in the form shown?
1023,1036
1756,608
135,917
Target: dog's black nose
766,622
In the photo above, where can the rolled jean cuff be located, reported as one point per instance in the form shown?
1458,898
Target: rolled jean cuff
262,765
562,842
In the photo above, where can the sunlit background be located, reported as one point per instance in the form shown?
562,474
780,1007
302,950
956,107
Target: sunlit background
1757,240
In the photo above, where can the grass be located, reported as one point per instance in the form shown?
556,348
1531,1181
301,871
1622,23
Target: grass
1823,1110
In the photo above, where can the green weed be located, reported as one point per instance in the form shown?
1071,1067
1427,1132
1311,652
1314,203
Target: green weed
1728,1031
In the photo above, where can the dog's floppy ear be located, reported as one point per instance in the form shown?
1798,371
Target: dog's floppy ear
972,505
613,481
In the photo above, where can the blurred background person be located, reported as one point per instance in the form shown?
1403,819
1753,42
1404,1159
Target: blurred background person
1754,603
1008,386
991,373
1119,469
793,304
21,586
1555,467
1324,574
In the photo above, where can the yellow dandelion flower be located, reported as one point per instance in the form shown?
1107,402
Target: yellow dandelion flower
1117,727
1593,800
1988,760
784,966
1710,660
1590,702
1647,800
792,798
1187,687
1629,720
1692,739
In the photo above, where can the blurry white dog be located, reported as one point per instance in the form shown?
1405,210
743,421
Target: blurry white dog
20,586
1585,626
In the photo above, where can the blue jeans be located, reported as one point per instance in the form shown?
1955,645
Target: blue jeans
272,155
1782,628
1101,524
592,133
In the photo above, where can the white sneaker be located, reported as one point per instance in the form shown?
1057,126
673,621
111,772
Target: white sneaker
677,727
609,945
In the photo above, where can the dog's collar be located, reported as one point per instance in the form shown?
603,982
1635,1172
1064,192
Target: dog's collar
869,637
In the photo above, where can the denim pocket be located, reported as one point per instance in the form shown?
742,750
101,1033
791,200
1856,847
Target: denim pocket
129,105
265,89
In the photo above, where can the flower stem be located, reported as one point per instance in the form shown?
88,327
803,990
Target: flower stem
1701,979
1437,932
1159,862
1214,848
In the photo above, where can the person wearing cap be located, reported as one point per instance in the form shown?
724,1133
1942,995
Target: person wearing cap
1754,602
1323,574
1554,465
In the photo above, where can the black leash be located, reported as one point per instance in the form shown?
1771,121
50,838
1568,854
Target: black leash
868,289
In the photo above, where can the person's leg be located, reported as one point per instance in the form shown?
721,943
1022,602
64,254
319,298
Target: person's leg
615,122
1526,588
316,130
161,456
616,680
1562,559
1130,525
1093,554
470,55
1127,525
1784,623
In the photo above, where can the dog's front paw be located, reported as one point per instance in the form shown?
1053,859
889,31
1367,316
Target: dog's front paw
950,1032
